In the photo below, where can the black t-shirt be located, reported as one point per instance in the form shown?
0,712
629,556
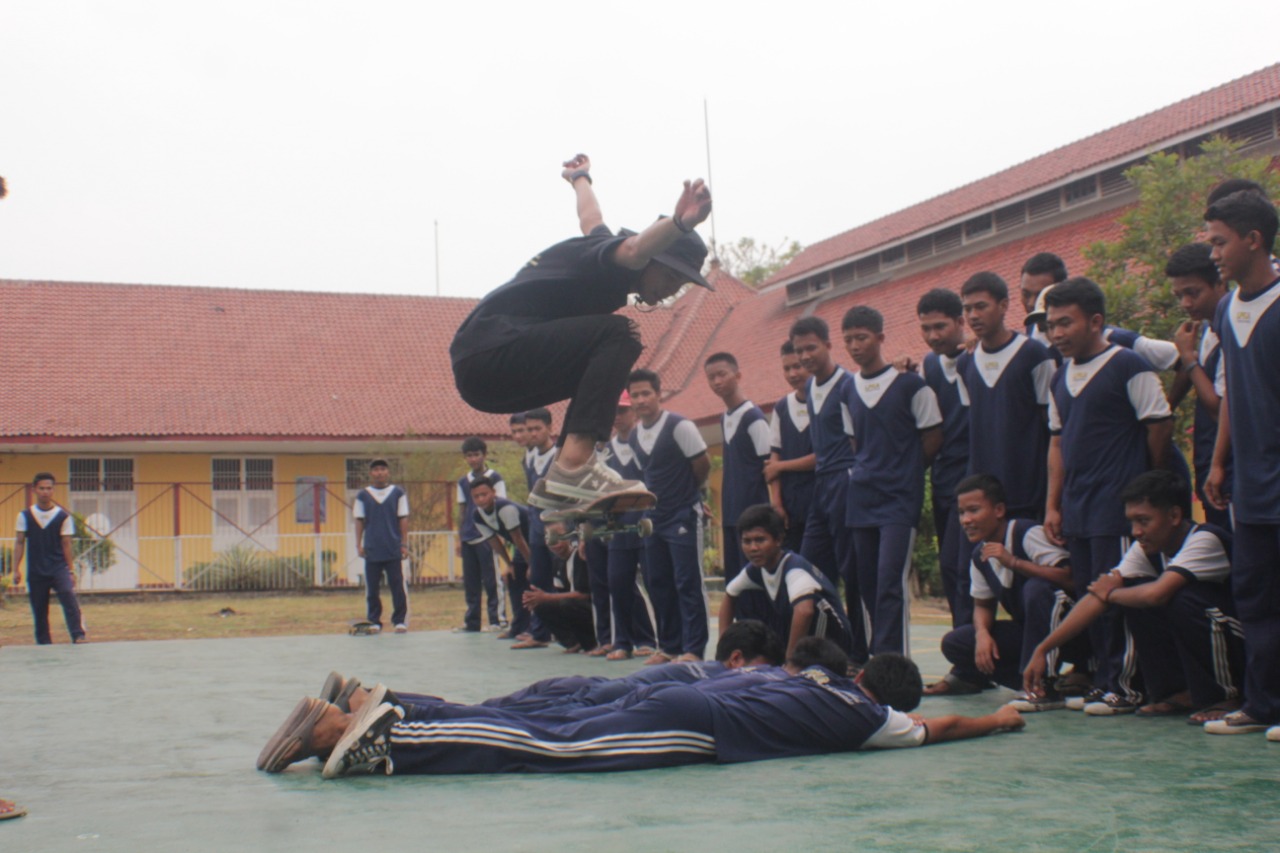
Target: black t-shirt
575,278
562,582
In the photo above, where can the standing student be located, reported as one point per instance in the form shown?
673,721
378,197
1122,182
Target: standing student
941,316
828,540
478,575
381,510
1110,421
1012,565
1194,280
896,426
1007,377
551,333
1042,270
1242,232
745,439
44,532
629,605
540,450
789,470
504,522
674,459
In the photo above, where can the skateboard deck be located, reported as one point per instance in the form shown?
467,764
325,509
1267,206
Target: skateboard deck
362,628
602,519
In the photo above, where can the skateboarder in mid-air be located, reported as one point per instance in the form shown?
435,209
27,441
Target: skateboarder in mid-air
551,334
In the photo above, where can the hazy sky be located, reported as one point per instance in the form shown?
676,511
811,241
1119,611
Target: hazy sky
309,144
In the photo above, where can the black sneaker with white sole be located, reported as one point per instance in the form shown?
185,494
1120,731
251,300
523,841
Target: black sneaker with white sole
1077,703
365,747
1110,705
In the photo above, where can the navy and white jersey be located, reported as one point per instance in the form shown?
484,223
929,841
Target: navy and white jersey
1205,555
467,528
1008,392
570,575
746,447
536,463
1162,355
949,466
886,413
1206,425
507,516
813,713
992,580
43,531
792,581
1250,333
381,510
575,278
829,420
789,438
1101,407
664,450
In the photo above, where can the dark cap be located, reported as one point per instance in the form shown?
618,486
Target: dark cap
686,256
379,463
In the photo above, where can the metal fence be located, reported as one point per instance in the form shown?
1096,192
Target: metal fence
210,537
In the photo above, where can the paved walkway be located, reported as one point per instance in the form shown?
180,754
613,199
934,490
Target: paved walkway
151,746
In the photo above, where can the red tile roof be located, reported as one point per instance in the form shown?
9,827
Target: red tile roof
1132,138
758,326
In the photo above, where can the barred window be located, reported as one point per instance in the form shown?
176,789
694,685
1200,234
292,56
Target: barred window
101,475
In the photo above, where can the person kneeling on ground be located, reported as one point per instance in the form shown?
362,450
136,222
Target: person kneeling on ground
566,611
1014,565
1173,589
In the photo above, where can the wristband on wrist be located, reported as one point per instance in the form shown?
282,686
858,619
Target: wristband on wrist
1100,598
579,173
675,220
1187,368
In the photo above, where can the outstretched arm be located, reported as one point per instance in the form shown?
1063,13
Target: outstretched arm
577,171
956,727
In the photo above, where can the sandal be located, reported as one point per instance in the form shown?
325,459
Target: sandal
657,659
292,741
1216,711
619,654
599,651
1162,709
1235,723
529,644
9,809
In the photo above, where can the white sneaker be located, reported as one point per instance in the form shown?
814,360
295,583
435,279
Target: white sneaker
1110,705
1273,734
1027,704
1077,703
591,482
402,629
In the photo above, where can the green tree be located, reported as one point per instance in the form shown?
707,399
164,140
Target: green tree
752,263
1172,194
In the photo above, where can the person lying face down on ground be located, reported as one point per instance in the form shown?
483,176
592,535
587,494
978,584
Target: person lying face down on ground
811,712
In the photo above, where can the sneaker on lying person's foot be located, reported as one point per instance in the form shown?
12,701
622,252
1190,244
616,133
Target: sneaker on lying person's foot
1029,704
1110,705
591,482
1077,703
365,747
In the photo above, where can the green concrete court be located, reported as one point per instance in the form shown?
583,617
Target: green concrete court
151,746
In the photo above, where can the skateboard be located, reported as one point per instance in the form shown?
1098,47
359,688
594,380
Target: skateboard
363,628
602,519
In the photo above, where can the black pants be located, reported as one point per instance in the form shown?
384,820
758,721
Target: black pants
585,360
569,621
478,577
39,589
373,572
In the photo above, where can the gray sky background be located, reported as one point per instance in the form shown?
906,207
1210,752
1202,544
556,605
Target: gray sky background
311,144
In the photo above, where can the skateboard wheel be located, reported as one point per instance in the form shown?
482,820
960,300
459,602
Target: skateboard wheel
645,527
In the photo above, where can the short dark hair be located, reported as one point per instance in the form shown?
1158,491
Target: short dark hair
985,282
643,375
516,418
379,463
863,317
942,301
1234,185
815,326
1193,259
753,638
43,475
474,444
538,414
1081,292
721,356
990,486
1244,212
1046,263
894,680
765,517
819,651
787,348
1162,489
482,481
